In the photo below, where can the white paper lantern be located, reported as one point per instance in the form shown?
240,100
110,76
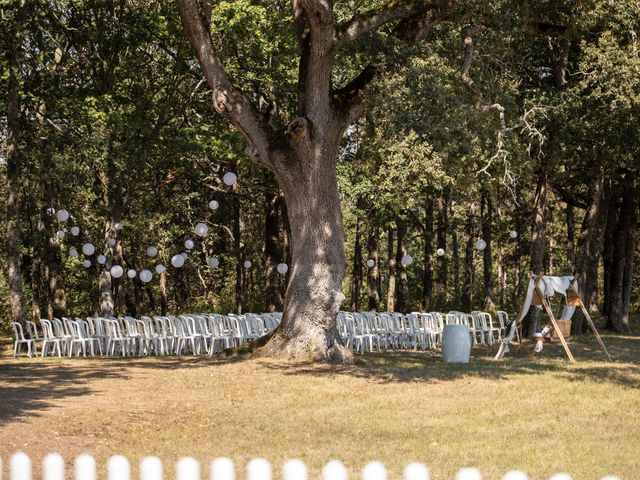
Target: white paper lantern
177,260
152,251
111,242
101,259
230,178
116,271
480,244
440,252
160,268
60,234
370,263
86,263
131,273
513,234
88,249
62,215
407,260
201,229
117,226
146,276
185,255
213,205
282,268
73,252
213,262
188,244
75,231
247,264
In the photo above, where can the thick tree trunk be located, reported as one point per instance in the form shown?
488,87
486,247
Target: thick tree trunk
571,237
441,242
238,251
403,300
56,291
455,257
356,278
469,272
487,257
273,253
427,268
607,253
107,307
163,293
391,262
13,161
373,273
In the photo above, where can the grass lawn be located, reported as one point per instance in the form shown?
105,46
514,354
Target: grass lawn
536,413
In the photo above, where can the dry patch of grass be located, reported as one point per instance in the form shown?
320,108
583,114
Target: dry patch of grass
539,414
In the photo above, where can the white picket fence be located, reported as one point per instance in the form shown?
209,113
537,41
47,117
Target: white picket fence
118,468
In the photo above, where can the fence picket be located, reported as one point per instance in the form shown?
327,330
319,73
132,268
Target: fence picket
187,468
515,475
223,469
468,474
20,467
118,468
374,471
416,471
294,470
334,470
53,467
150,468
85,467
560,476
259,469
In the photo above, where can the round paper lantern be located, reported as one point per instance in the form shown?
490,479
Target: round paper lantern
177,260
75,231
282,268
480,244
213,205
370,263
185,255
513,234
131,273
60,234
201,229
407,260
188,244
117,226
146,276
101,259
116,271
152,251
62,215
73,252
88,249
247,264
111,242
160,268
86,263
440,252
213,262
230,178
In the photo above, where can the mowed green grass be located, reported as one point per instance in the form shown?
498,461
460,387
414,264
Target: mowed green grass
535,413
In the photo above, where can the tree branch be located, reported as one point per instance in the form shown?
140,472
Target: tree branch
227,99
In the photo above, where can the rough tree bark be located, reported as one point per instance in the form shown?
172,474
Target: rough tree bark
402,297
356,279
273,252
571,237
487,257
427,268
391,263
373,273
442,225
469,272
303,156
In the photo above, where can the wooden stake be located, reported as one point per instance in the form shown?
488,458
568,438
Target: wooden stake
553,321
593,327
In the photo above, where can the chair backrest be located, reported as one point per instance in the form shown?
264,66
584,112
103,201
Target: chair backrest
47,329
59,328
32,330
503,318
18,332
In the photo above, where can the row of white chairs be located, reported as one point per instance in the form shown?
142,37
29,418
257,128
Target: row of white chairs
370,331
128,336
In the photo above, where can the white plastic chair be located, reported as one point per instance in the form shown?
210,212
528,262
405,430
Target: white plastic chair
20,339
50,338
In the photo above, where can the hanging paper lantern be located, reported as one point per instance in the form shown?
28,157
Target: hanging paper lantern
230,178
201,229
440,252
370,263
75,231
86,263
117,226
513,234
146,276
60,234
407,260
131,273
213,262
480,244
177,260
247,264
73,252
213,205
101,259
62,215
88,249
160,268
152,251
282,268
116,271
111,242
188,244
185,255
